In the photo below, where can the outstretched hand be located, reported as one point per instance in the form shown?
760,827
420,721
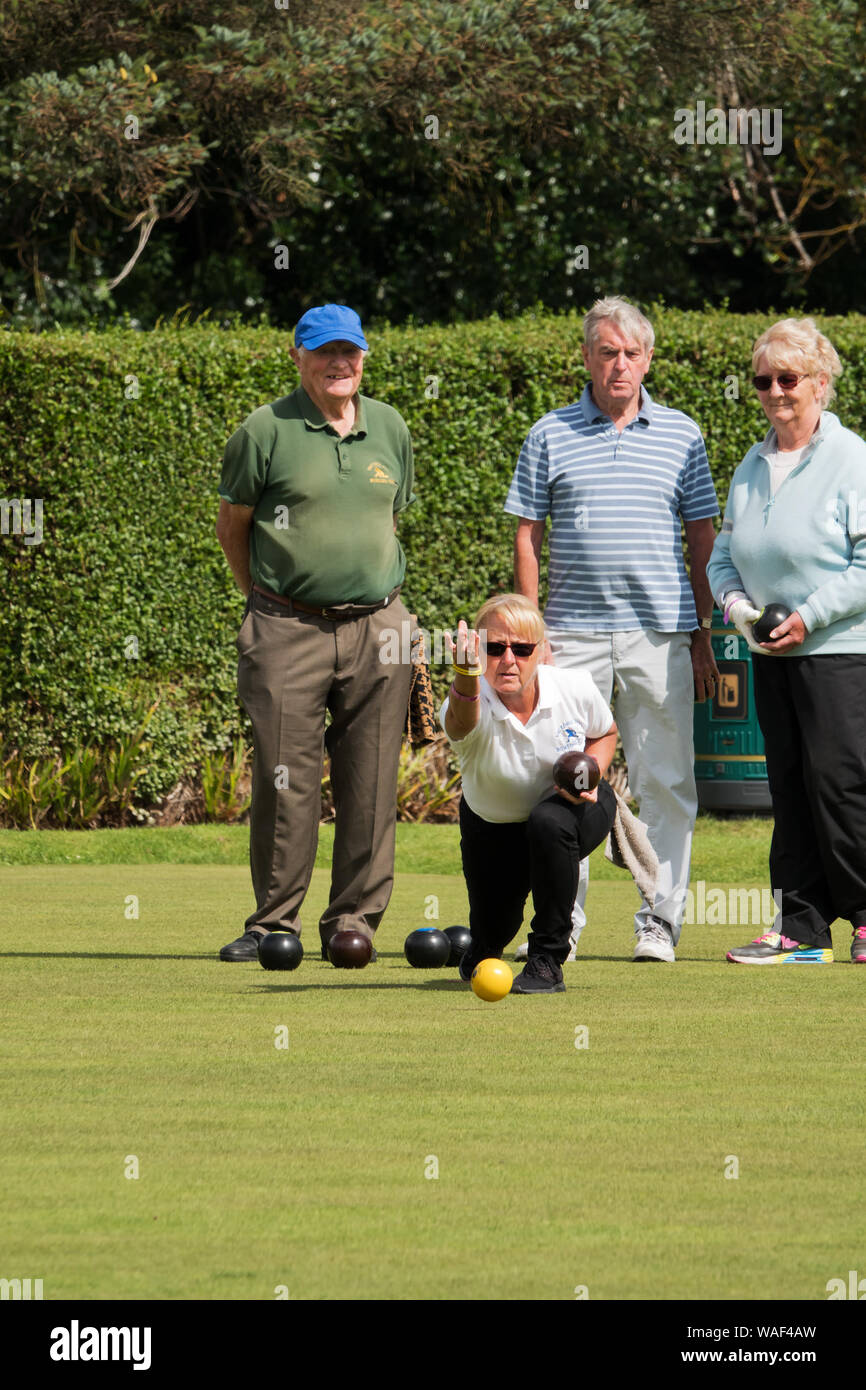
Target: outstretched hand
466,651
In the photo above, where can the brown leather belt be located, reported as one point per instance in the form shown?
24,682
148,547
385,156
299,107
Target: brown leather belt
334,613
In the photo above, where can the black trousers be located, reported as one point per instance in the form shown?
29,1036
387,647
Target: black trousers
812,712
503,863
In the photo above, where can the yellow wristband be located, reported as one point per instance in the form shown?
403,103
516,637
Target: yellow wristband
467,671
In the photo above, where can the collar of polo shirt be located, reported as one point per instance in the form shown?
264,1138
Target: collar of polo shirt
593,413
315,420
501,711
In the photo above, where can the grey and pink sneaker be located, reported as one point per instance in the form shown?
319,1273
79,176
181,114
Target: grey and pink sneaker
858,946
775,949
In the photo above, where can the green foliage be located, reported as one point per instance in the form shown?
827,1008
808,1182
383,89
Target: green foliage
96,784
443,160
428,783
226,783
126,612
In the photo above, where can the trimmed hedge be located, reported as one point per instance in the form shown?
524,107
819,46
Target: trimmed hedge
120,433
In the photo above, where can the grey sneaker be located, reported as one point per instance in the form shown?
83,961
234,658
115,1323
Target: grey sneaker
655,941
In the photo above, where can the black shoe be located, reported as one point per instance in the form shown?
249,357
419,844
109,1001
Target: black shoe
468,962
245,948
541,975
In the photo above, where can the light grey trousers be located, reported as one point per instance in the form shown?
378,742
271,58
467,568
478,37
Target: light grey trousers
654,712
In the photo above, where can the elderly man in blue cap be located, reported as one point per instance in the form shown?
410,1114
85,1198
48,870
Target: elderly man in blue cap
310,490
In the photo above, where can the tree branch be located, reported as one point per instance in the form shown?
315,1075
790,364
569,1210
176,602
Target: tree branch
148,221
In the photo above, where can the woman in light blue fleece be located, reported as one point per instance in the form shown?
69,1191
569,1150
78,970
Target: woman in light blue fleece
794,533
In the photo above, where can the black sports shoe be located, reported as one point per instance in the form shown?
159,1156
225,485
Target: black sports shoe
541,975
469,960
245,948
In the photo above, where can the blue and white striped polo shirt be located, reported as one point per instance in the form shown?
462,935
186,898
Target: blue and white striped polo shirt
615,501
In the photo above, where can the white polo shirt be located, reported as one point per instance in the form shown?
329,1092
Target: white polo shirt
506,766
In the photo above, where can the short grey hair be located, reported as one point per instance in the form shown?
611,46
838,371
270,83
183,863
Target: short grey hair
627,318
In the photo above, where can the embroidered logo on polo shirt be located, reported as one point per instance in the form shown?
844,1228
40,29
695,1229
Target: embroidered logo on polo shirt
379,474
567,737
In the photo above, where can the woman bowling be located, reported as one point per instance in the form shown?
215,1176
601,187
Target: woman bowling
508,718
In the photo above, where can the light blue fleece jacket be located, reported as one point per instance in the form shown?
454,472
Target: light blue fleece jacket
805,547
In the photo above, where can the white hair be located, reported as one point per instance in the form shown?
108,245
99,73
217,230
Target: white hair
627,318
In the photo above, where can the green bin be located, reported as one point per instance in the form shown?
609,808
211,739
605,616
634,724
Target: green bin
730,767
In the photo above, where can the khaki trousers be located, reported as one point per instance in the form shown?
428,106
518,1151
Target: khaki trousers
292,668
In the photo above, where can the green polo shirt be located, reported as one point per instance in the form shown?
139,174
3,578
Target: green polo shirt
323,525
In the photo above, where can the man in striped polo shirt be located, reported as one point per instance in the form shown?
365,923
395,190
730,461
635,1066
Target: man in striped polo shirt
620,476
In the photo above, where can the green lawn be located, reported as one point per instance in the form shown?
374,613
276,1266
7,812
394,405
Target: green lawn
309,1166
734,847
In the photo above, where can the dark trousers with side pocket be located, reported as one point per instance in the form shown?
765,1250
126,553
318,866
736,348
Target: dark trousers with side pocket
504,862
293,668
812,712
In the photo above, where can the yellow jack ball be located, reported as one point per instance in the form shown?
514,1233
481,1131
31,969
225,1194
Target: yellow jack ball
491,980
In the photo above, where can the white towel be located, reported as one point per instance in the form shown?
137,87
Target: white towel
628,847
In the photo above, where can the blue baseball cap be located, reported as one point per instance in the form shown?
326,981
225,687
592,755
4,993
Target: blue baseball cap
329,323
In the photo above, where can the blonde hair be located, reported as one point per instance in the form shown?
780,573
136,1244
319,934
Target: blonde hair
799,345
515,612
627,318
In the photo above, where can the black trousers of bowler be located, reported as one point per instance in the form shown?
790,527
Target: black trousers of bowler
503,863
812,712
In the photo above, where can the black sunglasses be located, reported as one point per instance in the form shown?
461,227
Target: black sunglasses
787,380
518,648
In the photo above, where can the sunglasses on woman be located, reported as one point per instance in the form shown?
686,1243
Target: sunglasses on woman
518,648
787,380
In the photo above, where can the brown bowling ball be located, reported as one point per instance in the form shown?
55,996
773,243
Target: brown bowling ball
576,772
349,950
